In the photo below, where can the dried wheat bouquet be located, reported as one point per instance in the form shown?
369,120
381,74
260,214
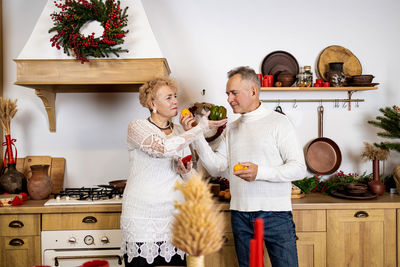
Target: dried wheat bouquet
374,153
199,225
8,109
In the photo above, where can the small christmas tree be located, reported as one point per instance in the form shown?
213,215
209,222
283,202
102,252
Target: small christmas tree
390,123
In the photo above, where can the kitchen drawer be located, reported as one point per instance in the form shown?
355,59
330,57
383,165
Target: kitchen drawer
310,220
80,221
19,225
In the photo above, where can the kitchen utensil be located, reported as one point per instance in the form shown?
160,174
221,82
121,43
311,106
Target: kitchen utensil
365,78
336,53
119,185
363,84
356,189
279,61
323,155
279,109
343,194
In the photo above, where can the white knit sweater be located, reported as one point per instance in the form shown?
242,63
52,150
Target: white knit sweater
268,139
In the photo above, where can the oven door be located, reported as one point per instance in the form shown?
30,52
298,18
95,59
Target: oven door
76,257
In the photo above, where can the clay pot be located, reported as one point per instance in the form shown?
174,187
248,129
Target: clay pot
335,75
365,78
11,180
286,79
376,185
40,184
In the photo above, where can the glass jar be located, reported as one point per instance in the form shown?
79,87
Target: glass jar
308,76
300,78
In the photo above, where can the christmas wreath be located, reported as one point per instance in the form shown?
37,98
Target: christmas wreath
75,13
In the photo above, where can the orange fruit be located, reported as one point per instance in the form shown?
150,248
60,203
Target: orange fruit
227,195
185,112
239,167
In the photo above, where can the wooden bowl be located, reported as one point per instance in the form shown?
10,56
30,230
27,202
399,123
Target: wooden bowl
366,78
356,189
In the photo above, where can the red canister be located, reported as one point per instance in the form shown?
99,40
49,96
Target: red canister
267,81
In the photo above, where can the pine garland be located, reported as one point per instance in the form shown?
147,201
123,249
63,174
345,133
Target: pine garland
75,13
390,123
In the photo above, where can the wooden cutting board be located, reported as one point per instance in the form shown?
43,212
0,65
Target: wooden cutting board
56,170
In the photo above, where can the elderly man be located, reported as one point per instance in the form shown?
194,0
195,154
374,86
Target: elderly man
265,142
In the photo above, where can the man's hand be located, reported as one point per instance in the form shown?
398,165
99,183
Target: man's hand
249,174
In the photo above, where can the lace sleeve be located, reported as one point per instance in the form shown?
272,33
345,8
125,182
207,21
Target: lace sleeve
141,135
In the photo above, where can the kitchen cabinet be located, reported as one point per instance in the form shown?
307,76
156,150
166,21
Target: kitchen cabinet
226,256
361,237
311,238
19,239
51,76
80,221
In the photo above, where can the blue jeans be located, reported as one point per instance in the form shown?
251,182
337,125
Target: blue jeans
279,236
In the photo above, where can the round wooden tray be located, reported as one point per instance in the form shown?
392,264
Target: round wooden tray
336,53
343,194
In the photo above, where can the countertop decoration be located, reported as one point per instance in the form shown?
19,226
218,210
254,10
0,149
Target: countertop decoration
11,181
336,181
375,154
199,225
76,13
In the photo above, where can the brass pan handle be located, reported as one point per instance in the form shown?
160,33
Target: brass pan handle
89,219
361,214
16,242
16,224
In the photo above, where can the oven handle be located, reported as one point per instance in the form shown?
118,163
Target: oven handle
89,219
88,257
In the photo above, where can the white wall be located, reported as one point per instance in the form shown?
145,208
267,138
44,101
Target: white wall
202,40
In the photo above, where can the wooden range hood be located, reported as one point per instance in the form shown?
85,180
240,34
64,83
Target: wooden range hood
51,76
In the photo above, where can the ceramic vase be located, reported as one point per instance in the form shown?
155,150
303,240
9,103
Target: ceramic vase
11,180
40,184
376,185
335,75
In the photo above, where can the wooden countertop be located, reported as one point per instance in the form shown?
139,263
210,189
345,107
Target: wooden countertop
310,201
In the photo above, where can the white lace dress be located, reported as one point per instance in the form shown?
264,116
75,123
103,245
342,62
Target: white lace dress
148,201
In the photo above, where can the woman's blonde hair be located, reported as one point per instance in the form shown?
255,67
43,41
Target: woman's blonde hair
148,91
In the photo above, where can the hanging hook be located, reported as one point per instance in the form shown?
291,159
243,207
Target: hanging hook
344,104
357,104
294,104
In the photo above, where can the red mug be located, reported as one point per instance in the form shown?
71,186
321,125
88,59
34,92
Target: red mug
320,81
260,76
267,81
317,85
326,84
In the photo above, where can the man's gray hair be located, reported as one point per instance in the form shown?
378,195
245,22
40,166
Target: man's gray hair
246,73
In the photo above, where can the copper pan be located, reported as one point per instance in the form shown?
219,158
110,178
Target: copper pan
323,155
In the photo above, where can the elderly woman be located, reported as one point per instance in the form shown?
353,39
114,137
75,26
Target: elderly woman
155,148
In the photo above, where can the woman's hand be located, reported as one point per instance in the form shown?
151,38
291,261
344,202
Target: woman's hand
248,174
187,122
182,168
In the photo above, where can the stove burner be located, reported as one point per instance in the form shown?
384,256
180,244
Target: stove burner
85,193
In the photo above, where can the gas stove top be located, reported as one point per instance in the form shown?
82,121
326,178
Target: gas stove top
86,196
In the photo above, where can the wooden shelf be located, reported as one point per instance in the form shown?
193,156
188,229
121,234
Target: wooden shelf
304,89
51,76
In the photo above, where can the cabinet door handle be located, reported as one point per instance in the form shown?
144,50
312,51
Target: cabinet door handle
297,238
16,224
89,219
361,214
16,242
225,239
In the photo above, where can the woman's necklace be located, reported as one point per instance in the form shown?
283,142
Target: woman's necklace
161,128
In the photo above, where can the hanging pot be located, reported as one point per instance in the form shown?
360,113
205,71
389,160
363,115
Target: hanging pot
323,155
